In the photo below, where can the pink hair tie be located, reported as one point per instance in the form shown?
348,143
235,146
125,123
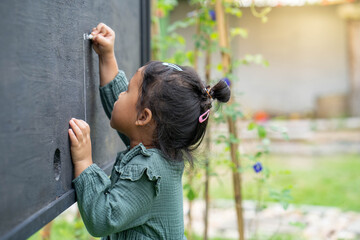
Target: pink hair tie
204,116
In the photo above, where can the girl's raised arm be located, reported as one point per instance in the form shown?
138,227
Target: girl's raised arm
103,44
109,94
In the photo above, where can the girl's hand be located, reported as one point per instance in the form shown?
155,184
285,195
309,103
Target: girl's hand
103,40
80,145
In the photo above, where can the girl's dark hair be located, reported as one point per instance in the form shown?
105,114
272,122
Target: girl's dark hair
177,99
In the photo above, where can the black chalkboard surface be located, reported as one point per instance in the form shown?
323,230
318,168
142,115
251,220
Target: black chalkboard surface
48,75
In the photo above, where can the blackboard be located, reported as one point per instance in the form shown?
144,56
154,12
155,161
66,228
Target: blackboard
49,74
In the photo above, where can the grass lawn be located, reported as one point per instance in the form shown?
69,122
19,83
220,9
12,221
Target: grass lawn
316,180
62,229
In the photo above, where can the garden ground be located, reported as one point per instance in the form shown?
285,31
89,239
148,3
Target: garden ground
317,181
319,166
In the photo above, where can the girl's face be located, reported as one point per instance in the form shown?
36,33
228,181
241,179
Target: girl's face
124,114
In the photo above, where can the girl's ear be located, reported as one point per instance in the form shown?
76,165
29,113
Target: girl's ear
144,118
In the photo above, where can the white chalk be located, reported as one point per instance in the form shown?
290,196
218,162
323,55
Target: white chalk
88,36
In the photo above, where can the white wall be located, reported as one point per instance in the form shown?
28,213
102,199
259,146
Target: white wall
306,48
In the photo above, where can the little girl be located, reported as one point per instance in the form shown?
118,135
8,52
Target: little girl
161,115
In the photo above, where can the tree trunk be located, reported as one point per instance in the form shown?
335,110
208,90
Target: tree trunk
46,231
189,214
225,57
354,62
207,146
191,170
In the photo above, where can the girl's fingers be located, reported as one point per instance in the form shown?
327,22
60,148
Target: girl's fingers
104,30
94,33
76,130
101,40
73,138
99,26
85,128
80,124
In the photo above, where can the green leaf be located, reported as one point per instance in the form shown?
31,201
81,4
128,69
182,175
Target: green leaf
285,172
179,57
258,154
252,125
180,39
266,63
264,19
232,77
233,111
189,192
221,139
286,136
261,131
166,5
239,31
233,139
249,58
299,225
266,172
214,36
251,157
191,195
233,11
225,50
190,57
283,197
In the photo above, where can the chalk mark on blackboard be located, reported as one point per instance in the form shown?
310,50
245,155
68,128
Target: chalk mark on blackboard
84,39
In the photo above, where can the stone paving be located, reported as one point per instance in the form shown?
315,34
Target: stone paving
306,222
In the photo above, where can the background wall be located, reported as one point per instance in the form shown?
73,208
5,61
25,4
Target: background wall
307,51
44,63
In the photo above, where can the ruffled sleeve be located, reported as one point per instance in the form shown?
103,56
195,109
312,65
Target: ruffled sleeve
123,202
110,208
109,94
138,163
134,172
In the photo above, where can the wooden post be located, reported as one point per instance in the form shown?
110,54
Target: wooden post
354,66
225,57
45,232
351,13
191,170
207,144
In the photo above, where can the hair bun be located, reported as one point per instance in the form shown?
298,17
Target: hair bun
221,91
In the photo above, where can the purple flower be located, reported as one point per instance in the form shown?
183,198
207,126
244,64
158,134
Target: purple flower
227,81
258,167
212,15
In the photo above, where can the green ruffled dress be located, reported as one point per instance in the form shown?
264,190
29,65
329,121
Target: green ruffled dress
143,197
